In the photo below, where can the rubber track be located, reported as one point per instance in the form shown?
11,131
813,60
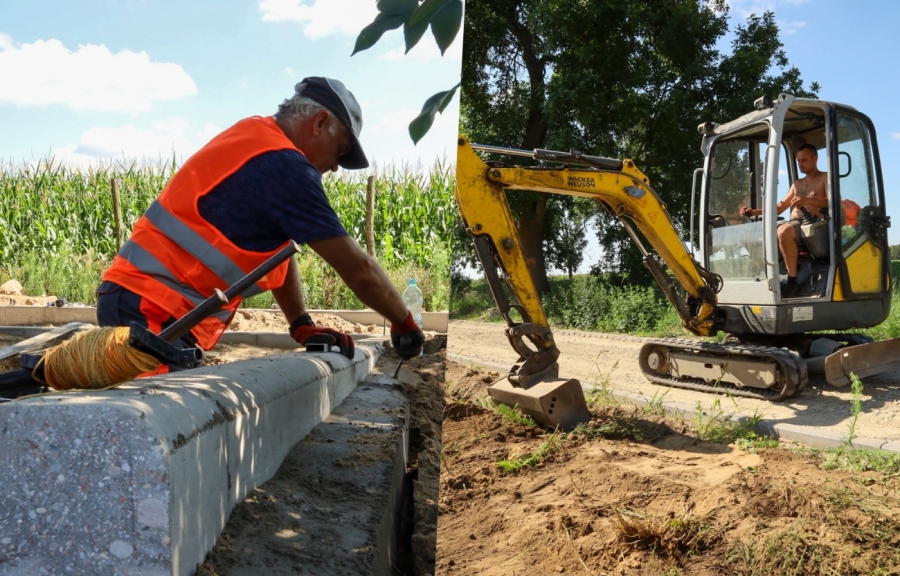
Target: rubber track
793,368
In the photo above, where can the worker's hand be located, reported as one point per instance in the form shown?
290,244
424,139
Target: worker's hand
304,331
746,211
407,338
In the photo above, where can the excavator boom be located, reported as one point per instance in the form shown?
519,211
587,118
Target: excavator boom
619,186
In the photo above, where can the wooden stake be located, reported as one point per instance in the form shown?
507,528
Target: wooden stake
370,210
117,212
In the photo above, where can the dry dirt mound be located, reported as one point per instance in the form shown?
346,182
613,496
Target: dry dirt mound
253,320
635,494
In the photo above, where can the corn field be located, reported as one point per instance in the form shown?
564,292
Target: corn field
413,215
54,217
48,205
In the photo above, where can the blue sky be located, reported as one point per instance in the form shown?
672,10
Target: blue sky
849,48
95,79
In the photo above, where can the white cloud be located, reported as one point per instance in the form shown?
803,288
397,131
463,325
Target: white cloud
398,121
392,121
896,135
790,27
427,50
290,72
321,17
90,78
160,140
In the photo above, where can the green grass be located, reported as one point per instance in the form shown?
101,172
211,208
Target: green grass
513,415
614,427
57,232
752,443
718,427
583,303
547,447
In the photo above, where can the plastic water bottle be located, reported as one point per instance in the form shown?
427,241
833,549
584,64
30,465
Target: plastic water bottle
412,297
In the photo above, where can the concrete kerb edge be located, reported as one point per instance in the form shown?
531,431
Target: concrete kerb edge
363,529
808,435
30,315
197,427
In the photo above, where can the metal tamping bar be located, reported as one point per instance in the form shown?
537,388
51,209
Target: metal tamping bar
215,302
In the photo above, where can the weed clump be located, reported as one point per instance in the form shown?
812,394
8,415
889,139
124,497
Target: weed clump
667,536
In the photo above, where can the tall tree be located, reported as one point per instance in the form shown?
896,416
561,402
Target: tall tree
566,238
616,78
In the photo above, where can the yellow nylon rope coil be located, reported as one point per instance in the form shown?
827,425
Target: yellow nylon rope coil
95,359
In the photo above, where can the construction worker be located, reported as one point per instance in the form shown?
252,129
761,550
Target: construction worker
235,203
809,193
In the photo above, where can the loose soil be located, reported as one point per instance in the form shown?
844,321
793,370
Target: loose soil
254,542
19,300
635,493
611,359
256,320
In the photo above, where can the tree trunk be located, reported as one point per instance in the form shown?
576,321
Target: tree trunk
531,222
531,235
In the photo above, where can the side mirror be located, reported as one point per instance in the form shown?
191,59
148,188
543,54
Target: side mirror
841,172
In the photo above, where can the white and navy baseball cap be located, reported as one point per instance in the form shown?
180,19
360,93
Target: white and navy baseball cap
334,96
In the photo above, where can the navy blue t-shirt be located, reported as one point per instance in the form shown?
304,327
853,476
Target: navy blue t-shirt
275,197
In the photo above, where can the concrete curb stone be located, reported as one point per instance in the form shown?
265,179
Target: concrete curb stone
154,466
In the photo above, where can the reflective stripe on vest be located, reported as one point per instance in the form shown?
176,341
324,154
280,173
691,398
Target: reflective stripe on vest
149,265
196,246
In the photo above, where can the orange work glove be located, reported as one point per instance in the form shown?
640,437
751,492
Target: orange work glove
407,338
304,331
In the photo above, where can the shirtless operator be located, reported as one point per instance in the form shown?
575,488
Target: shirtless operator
808,192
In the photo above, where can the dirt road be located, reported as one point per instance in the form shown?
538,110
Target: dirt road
594,358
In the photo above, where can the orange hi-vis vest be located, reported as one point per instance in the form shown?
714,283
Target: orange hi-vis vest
175,258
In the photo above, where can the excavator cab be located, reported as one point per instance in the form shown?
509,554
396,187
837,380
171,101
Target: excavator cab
843,268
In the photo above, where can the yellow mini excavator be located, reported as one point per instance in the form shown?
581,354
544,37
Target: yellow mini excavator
731,277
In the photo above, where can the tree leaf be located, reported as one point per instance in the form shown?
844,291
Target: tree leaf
446,23
418,23
394,7
412,33
436,103
373,32
426,11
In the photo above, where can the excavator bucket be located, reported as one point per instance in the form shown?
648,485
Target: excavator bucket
553,402
862,360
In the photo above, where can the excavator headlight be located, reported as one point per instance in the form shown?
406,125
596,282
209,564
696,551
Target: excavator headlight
763,102
707,128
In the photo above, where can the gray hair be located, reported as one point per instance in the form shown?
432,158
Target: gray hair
298,108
